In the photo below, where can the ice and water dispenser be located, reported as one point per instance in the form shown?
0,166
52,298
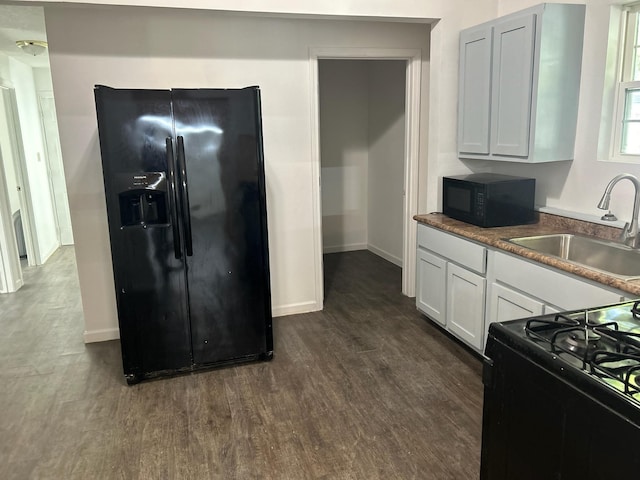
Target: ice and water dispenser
143,199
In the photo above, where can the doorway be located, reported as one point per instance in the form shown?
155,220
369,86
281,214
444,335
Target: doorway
33,191
362,131
367,162
13,244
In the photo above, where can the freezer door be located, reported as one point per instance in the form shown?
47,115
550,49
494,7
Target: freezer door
148,264
222,174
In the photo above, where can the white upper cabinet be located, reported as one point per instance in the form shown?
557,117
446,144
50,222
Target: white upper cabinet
519,85
512,86
475,90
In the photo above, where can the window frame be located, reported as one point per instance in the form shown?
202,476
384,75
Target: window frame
627,48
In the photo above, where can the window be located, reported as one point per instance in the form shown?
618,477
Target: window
626,131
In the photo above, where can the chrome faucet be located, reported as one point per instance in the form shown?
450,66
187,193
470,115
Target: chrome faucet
630,231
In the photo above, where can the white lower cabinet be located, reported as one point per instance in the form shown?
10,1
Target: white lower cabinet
520,288
465,304
550,309
507,304
465,286
430,286
448,293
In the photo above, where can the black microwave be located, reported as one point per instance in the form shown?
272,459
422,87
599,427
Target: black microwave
489,199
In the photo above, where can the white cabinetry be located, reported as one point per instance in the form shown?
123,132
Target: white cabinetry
519,288
513,40
519,82
465,304
450,283
474,90
431,283
507,304
464,286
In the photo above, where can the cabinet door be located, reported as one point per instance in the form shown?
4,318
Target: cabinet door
465,304
551,309
430,289
506,304
474,90
512,70
542,282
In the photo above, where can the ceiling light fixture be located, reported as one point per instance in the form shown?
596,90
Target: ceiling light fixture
32,47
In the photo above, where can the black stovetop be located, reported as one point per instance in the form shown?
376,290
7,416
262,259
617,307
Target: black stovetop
598,347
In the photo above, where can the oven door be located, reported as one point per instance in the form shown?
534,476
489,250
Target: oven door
540,424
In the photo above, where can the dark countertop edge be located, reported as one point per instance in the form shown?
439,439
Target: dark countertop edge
547,224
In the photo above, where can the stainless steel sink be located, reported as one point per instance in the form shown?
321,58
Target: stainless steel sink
608,257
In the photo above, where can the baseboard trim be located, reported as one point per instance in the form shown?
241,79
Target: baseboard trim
102,335
47,255
106,334
295,308
345,248
386,255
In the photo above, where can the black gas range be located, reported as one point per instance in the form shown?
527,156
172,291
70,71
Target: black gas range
562,396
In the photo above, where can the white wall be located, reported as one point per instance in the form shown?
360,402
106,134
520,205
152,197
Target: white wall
157,48
4,67
21,76
572,185
386,158
417,10
439,94
344,148
42,79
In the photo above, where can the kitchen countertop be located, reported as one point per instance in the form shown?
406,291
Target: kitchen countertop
546,224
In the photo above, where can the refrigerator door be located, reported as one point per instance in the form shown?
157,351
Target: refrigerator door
148,263
219,152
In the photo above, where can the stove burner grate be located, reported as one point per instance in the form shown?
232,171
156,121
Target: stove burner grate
536,325
578,337
620,367
626,342
580,341
604,343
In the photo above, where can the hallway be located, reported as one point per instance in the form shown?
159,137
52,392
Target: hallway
42,322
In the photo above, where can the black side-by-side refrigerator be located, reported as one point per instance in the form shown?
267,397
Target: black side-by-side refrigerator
185,195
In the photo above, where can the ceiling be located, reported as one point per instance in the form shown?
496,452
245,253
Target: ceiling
22,23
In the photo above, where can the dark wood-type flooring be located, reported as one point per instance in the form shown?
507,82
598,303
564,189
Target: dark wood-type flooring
366,389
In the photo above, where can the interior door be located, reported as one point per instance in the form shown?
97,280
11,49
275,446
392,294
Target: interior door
55,166
221,169
10,270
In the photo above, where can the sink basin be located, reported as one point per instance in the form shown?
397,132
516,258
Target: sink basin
608,257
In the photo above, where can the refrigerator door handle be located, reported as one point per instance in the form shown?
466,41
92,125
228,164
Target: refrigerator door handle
173,200
186,216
